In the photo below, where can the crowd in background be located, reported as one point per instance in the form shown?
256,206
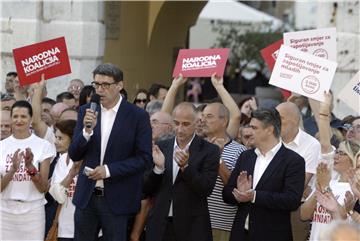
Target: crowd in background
37,174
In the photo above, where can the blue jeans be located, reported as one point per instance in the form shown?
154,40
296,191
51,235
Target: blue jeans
97,215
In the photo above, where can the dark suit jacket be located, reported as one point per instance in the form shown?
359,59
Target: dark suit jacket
128,154
189,193
278,192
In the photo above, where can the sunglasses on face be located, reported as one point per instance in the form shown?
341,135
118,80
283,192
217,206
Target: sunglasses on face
140,100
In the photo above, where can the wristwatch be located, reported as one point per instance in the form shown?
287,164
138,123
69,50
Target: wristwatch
326,190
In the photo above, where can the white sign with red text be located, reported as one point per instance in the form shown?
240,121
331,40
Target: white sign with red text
318,42
302,73
350,94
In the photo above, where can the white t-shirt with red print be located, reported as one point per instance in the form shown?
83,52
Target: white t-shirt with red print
21,194
321,217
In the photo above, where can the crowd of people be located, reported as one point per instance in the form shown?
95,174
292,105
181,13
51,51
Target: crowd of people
103,166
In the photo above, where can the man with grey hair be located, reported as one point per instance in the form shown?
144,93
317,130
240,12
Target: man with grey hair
266,184
215,121
153,106
161,125
184,176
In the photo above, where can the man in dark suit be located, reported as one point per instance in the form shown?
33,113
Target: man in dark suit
266,184
184,176
115,141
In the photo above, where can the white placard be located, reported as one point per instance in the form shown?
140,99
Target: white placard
350,94
318,42
302,73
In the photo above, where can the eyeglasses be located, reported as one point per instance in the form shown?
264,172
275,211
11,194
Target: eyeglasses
7,96
76,87
355,128
96,85
140,100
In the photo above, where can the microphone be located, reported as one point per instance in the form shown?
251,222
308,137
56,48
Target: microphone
94,102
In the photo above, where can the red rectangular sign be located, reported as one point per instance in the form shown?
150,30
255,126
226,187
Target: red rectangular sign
201,62
270,53
48,57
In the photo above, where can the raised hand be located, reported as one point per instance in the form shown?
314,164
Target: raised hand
217,80
158,157
244,182
354,181
15,160
39,85
28,158
90,118
327,200
179,81
182,158
349,201
323,175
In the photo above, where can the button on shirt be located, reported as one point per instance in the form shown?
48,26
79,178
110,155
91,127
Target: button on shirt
107,122
176,167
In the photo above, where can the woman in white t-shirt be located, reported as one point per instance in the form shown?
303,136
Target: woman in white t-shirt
64,179
24,167
343,159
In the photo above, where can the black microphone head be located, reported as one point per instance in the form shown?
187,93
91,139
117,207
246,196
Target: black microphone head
95,98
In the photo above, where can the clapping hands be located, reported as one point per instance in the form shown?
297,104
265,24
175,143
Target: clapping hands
243,191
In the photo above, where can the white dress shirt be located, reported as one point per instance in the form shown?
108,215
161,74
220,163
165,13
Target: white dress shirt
262,162
107,121
308,147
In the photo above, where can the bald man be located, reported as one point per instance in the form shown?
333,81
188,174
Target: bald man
306,146
184,176
5,124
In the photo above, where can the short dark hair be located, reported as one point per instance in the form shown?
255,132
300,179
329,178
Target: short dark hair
48,100
268,117
67,127
154,89
22,104
12,73
110,70
87,91
64,95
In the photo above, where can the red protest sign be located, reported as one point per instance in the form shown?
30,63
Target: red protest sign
201,62
48,57
270,53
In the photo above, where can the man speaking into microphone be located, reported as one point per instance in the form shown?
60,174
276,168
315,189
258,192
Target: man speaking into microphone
113,138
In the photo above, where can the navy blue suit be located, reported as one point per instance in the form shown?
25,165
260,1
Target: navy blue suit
278,192
128,154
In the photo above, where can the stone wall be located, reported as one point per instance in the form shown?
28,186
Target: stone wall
28,22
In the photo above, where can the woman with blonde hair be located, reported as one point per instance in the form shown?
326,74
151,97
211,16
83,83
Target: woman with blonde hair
321,206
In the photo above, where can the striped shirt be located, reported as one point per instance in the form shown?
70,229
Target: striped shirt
221,214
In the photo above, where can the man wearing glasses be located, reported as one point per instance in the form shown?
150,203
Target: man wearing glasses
114,143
